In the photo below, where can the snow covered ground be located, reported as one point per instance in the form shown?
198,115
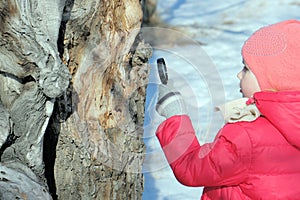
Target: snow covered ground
202,65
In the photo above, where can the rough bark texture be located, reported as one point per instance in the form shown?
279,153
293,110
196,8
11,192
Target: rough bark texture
32,75
80,128
100,149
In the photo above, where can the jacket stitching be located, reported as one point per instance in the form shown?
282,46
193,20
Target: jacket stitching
251,152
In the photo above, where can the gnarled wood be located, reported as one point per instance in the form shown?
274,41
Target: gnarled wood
100,149
32,75
91,128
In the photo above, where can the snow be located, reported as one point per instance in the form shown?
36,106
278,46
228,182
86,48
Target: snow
204,74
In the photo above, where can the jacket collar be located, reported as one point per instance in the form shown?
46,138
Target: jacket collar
238,110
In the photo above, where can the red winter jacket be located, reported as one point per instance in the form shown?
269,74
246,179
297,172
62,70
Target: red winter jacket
247,160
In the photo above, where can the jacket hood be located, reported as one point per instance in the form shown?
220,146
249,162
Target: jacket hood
282,109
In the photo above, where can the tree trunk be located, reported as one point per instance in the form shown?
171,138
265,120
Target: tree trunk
32,75
80,128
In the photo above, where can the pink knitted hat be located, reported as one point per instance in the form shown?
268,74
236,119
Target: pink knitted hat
273,55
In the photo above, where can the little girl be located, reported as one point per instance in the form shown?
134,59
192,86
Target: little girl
256,155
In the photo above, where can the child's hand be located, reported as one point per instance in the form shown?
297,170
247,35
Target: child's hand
169,102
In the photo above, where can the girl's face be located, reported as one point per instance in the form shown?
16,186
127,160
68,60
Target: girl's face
248,82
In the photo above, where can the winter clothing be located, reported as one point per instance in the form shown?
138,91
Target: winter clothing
239,110
170,102
247,160
272,53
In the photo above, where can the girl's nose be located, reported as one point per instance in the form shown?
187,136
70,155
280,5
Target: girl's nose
240,75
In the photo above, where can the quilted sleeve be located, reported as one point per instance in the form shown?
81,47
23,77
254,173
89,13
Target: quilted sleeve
224,162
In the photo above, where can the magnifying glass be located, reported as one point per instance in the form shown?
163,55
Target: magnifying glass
162,70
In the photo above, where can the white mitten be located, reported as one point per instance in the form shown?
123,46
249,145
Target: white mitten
169,102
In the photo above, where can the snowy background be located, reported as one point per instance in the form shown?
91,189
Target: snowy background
202,65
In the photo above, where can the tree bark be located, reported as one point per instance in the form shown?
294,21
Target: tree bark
73,77
100,148
32,75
